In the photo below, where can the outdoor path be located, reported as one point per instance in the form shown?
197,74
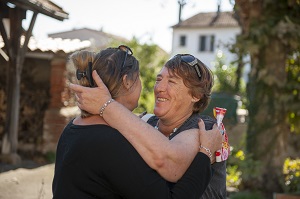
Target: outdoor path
27,183
23,183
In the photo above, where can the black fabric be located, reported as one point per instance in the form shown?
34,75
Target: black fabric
96,161
217,187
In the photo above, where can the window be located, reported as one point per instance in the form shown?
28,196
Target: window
202,43
182,41
206,43
212,43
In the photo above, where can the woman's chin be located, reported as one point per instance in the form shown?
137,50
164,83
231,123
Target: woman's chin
157,113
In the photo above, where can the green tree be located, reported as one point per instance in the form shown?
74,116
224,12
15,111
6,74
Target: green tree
271,36
225,77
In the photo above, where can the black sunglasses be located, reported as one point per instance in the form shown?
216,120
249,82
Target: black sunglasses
192,61
128,52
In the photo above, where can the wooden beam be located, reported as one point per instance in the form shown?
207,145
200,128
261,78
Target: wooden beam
4,9
5,38
10,139
39,7
4,55
27,38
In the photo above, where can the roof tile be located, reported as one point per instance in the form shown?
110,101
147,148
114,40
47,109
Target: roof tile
209,19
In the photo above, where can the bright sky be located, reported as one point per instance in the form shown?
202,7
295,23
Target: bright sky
144,19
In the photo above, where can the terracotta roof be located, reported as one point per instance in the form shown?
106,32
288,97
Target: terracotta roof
209,19
54,45
83,34
45,7
99,39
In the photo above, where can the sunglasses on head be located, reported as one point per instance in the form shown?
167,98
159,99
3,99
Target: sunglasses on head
128,52
192,61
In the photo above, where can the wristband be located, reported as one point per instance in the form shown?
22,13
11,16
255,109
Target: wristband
207,150
101,111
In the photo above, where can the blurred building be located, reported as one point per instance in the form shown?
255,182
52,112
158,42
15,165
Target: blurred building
98,39
204,34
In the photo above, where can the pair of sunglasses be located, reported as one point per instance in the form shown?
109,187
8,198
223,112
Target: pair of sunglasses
192,61
88,72
128,52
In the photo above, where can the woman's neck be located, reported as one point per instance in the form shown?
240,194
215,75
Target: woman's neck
167,127
94,119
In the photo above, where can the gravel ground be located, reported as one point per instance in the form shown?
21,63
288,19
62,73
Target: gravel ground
23,183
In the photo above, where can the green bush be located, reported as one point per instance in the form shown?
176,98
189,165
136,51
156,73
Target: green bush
246,195
240,167
50,156
233,178
291,171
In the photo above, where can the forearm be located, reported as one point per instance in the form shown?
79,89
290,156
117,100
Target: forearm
141,135
169,158
187,143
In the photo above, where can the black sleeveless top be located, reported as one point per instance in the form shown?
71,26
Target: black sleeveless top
217,187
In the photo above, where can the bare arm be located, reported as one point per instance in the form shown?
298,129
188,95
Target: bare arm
169,158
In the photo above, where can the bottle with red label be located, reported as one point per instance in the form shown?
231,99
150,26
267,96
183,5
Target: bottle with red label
223,153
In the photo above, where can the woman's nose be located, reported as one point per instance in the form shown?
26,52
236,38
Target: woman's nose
160,86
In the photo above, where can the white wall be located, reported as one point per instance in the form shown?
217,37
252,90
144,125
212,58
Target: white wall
223,36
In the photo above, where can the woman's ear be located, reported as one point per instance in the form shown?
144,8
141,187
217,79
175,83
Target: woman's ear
126,83
195,99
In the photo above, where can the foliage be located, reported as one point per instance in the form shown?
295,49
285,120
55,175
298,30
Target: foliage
247,195
291,170
233,177
151,58
271,37
50,156
293,91
281,22
226,79
241,166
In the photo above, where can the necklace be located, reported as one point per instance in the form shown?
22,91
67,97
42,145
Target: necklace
157,127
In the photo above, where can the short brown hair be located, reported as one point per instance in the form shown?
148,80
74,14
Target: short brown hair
199,87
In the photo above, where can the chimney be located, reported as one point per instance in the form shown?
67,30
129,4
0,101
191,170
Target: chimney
181,4
219,7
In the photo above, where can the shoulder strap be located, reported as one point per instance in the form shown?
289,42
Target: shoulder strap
147,116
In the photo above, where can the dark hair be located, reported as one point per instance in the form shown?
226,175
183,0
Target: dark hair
198,87
108,65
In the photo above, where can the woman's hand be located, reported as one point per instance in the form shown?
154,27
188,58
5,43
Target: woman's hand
210,140
91,99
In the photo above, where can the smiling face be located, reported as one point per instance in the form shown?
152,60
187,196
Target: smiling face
172,98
